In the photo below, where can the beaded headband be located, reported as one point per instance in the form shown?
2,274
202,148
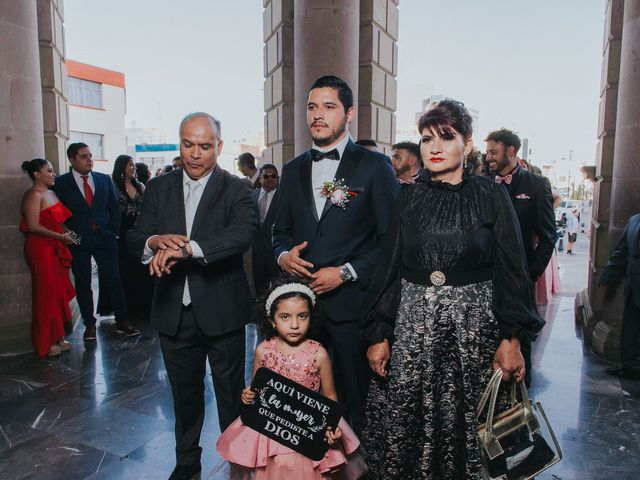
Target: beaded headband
289,288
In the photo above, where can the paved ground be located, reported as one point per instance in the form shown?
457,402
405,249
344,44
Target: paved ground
104,411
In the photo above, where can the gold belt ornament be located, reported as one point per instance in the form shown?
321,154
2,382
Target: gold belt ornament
438,278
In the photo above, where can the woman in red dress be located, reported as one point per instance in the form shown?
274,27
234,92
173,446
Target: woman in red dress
49,259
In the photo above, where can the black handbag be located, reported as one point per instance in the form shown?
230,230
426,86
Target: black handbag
515,444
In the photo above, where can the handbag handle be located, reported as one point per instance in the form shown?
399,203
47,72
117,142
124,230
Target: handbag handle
490,395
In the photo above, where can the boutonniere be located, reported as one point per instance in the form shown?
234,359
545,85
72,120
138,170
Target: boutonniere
337,192
523,196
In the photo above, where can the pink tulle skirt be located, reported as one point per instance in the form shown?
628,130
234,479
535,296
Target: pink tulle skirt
269,460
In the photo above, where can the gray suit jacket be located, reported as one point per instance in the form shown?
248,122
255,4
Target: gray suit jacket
223,227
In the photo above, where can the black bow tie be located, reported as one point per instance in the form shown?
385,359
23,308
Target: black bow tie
317,155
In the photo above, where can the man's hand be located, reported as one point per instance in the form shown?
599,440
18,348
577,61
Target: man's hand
325,280
510,359
292,264
163,260
169,240
378,355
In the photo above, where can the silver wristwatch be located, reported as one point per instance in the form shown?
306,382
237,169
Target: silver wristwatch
345,274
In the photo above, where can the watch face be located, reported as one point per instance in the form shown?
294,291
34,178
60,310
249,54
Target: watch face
345,274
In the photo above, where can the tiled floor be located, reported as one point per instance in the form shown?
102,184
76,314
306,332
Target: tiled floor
104,411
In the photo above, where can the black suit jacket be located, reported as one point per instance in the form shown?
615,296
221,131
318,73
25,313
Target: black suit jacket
625,261
223,227
262,246
102,218
352,235
533,202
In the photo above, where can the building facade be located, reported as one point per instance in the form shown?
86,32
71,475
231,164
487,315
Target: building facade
97,107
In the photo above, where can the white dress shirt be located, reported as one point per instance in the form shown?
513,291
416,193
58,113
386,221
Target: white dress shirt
197,251
269,195
80,182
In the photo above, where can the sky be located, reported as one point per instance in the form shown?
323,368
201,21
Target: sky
532,66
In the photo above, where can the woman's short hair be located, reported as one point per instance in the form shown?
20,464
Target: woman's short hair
33,166
445,115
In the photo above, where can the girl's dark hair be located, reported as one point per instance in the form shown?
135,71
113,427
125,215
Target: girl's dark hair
445,115
118,174
264,319
33,166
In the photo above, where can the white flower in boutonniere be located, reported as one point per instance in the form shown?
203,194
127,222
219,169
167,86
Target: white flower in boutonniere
337,192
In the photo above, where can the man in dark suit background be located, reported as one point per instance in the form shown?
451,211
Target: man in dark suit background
335,247
93,201
625,263
264,265
247,166
533,202
194,225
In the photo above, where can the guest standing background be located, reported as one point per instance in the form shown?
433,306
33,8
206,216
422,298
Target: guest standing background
49,259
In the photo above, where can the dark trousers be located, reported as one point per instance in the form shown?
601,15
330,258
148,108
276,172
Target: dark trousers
107,261
630,340
185,356
350,368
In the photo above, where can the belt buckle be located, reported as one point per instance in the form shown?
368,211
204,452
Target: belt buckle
438,278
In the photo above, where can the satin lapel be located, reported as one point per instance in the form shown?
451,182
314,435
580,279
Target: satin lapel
176,191
348,164
306,184
211,192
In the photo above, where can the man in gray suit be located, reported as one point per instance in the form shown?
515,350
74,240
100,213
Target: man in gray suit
625,263
194,225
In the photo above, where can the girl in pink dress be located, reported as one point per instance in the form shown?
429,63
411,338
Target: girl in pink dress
287,350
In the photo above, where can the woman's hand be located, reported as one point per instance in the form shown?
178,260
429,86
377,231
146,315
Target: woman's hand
333,437
248,396
66,238
510,359
378,355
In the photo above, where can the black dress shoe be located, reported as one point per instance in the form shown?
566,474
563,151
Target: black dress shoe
89,333
127,330
623,373
186,472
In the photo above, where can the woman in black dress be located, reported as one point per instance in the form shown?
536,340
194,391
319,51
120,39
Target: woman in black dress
136,282
450,302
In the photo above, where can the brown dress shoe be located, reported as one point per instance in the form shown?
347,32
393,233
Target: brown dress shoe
89,333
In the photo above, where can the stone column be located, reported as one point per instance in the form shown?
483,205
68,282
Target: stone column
625,191
326,38
278,83
54,82
21,139
378,70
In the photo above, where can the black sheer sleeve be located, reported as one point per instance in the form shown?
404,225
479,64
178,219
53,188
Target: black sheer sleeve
513,302
381,304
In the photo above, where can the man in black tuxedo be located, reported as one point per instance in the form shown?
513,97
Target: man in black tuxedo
93,201
194,225
533,202
625,263
331,244
264,265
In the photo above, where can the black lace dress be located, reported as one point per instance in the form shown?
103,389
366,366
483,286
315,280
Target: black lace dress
421,420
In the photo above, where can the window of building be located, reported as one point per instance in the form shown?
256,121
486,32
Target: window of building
85,93
94,140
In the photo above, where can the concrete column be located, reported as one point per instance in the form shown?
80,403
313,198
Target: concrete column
379,26
54,82
326,37
21,139
278,83
625,191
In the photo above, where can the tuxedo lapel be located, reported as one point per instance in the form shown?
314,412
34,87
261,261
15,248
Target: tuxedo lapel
177,191
348,164
306,184
211,191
